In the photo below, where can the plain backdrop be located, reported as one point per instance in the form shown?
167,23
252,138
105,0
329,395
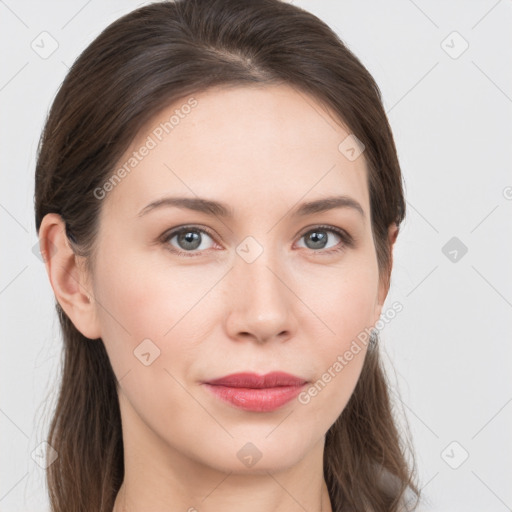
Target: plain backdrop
444,69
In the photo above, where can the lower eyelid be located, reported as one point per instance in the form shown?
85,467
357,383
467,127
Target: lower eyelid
344,243
166,238
346,239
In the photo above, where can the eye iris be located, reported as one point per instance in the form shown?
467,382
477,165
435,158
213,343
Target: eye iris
319,239
189,237
191,240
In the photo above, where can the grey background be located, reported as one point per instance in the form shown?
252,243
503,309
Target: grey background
450,348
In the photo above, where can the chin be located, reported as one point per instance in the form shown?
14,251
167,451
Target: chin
258,452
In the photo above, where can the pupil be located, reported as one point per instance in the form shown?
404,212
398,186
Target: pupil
318,239
190,239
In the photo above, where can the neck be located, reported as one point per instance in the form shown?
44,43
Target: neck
323,503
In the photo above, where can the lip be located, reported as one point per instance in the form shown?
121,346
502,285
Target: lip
256,393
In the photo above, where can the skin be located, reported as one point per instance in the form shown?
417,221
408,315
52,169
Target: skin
263,151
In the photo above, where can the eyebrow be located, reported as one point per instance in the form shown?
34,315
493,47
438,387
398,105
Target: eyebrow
218,209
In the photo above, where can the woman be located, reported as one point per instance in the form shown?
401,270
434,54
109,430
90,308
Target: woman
217,198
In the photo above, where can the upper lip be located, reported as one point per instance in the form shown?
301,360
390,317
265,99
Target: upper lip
253,380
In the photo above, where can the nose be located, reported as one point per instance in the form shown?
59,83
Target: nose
261,307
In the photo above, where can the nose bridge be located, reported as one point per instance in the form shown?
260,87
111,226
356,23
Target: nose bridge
262,305
258,268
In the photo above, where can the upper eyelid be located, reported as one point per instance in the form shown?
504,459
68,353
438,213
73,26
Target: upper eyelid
174,231
338,231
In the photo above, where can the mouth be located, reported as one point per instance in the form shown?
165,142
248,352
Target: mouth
256,393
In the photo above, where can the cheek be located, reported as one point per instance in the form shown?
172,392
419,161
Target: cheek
347,307
348,304
150,322
141,297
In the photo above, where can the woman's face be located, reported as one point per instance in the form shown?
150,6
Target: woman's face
264,283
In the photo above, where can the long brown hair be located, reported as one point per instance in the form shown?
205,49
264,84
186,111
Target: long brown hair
138,65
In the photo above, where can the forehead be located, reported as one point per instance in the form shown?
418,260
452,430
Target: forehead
241,145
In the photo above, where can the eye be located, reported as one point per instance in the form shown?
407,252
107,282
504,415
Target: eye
190,241
321,239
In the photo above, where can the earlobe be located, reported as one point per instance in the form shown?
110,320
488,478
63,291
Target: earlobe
68,278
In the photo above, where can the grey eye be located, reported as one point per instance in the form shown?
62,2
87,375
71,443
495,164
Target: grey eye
318,238
189,239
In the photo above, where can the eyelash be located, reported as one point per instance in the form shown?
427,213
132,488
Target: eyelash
347,240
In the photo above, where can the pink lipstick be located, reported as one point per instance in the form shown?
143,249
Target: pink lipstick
257,393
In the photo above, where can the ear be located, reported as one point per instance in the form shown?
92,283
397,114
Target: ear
68,276
384,282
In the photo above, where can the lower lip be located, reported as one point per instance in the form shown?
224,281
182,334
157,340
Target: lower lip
256,400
